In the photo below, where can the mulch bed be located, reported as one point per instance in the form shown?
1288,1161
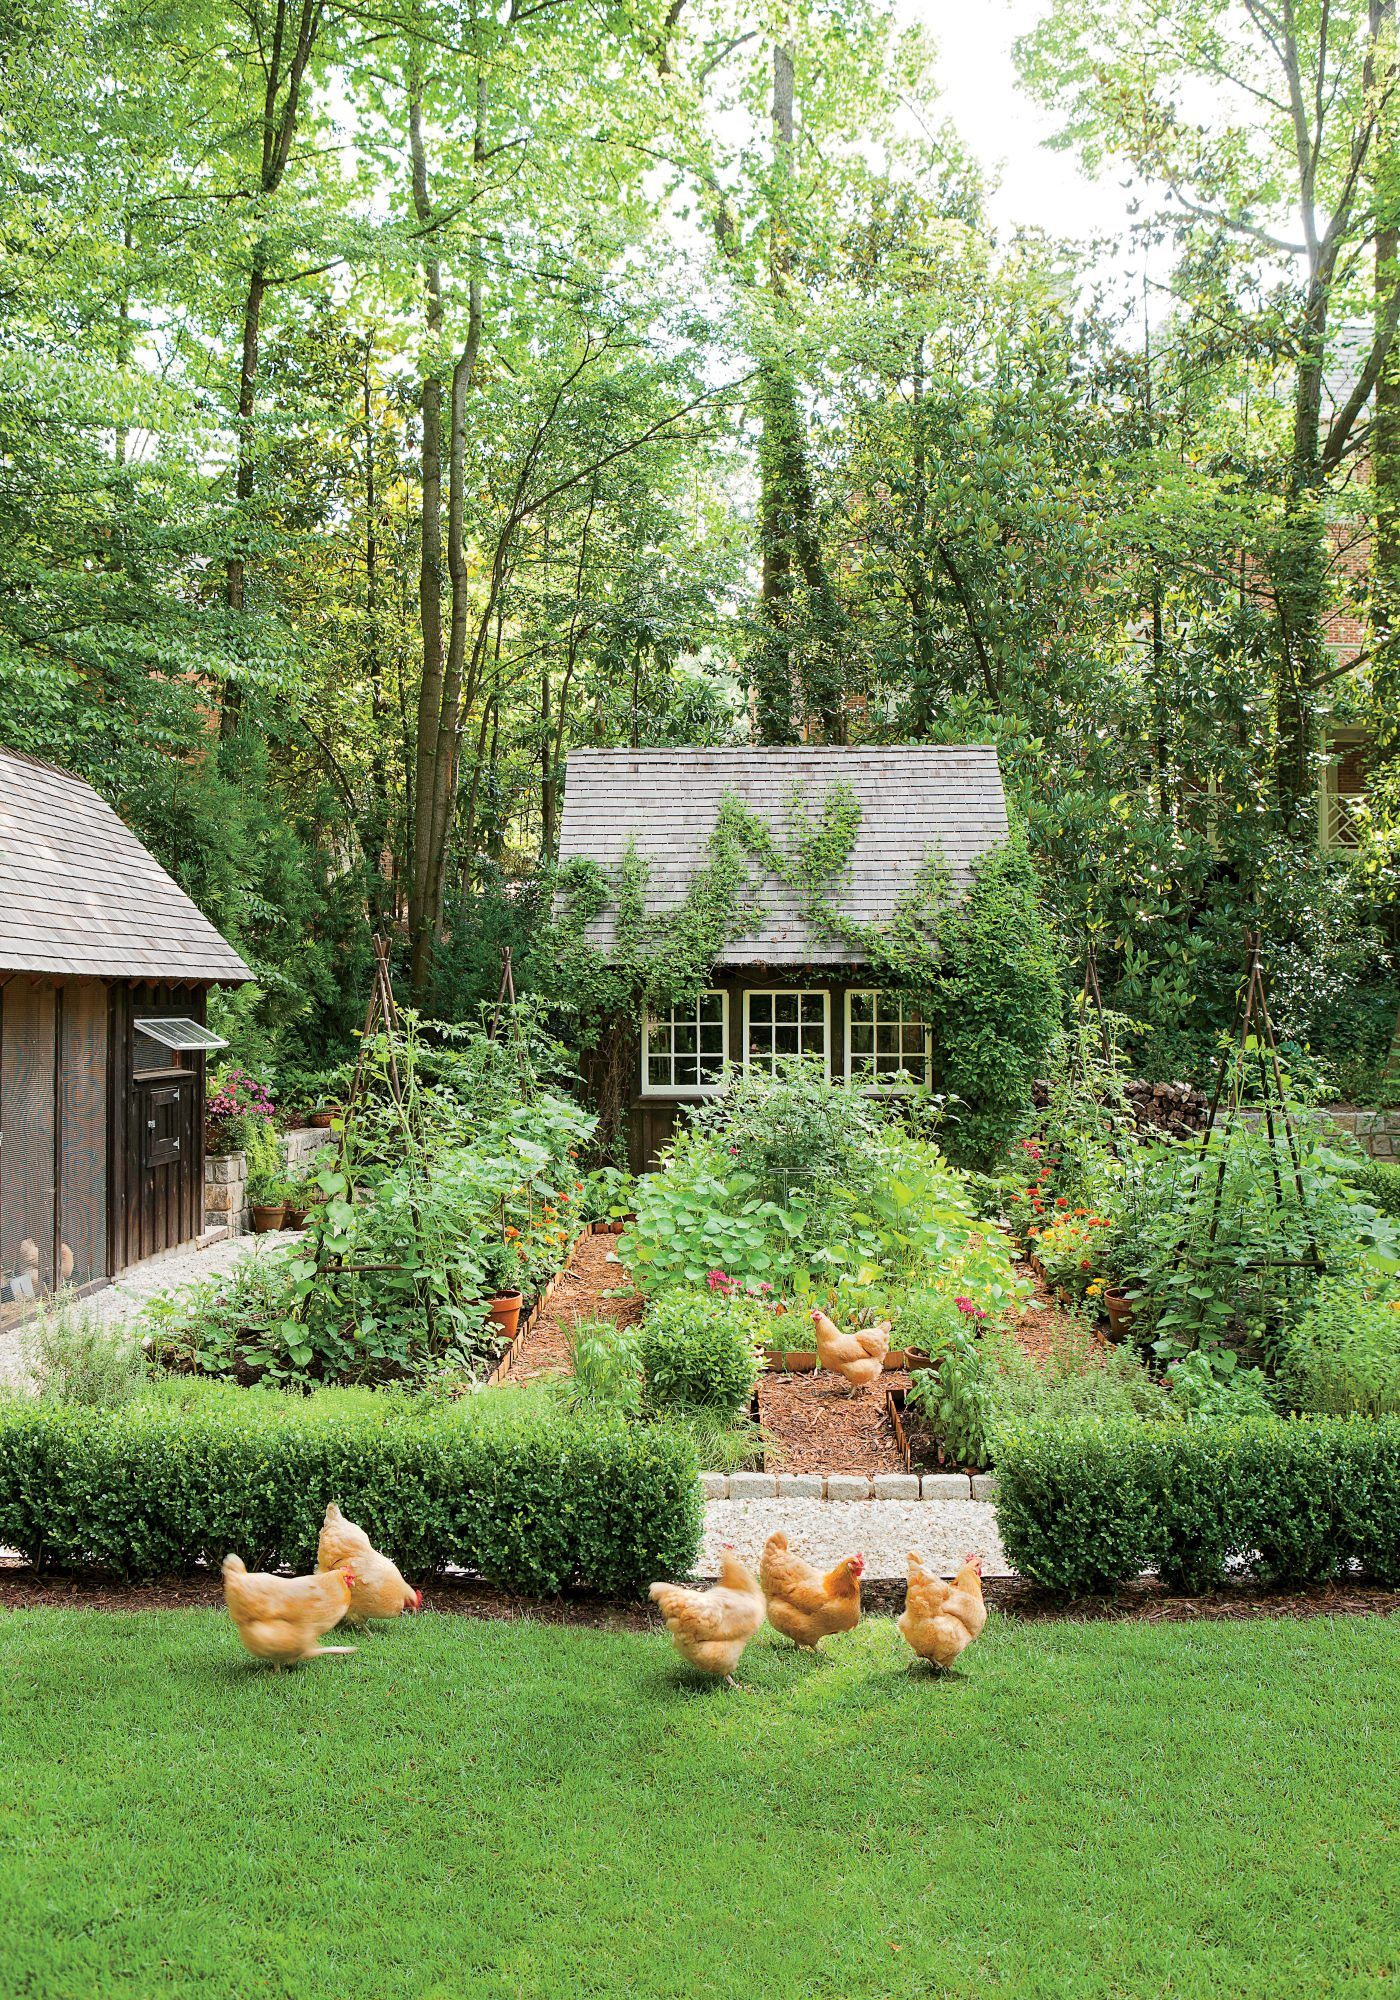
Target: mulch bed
810,1424
580,1294
21,1589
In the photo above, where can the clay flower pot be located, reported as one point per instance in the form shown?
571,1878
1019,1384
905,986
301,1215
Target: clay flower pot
266,1217
505,1311
322,1121
294,1218
1119,1308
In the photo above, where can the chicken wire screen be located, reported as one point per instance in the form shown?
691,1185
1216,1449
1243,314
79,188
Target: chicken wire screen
778,1024
886,1037
683,1048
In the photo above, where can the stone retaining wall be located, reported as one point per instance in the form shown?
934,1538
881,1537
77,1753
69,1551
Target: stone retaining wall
1375,1132
226,1178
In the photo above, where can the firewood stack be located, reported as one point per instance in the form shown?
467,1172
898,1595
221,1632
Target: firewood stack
1173,1110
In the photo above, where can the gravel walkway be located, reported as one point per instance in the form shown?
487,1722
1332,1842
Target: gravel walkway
945,1532
122,1303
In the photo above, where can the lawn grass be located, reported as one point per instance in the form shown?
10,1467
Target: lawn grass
519,1810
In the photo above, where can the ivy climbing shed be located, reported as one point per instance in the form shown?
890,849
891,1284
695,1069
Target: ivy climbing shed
781,867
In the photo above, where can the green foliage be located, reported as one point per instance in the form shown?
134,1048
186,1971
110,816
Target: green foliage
605,1364
808,1190
982,1385
1344,1353
70,1357
1378,1181
699,1351
1091,1506
522,1494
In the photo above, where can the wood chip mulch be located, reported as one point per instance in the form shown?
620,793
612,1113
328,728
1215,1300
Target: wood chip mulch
811,1425
581,1293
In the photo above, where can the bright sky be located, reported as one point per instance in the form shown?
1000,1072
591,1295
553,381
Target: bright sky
1039,187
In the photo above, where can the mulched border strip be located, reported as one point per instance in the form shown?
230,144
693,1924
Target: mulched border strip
24,1589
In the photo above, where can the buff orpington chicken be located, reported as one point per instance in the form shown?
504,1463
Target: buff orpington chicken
282,1618
711,1628
804,1605
858,1358
941,1620
379,1590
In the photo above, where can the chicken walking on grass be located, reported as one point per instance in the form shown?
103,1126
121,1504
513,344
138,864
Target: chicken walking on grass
711,1628
858,1358
282,1618
804,1605
941,1620
379,1589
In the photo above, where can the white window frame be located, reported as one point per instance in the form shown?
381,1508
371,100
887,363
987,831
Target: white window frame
871,1079
669,1017
778,992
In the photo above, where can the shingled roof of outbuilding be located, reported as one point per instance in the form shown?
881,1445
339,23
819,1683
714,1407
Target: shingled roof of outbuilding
915,803
80,895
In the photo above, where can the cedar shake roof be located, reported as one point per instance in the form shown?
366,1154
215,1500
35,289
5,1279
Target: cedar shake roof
80,895
914,804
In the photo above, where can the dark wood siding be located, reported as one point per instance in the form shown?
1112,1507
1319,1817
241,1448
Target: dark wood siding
82,1102
28,1126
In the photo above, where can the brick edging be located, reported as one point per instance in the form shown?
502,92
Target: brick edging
905,1486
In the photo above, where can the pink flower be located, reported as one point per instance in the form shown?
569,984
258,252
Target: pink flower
973,1312
720,1281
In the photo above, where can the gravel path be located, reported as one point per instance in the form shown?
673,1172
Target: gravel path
122,1303
945,1532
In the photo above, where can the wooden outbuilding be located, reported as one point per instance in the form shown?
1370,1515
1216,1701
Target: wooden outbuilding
105,968
783,990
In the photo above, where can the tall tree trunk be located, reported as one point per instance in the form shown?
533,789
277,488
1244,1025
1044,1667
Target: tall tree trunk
1300,579
284,73
441,702
1385,436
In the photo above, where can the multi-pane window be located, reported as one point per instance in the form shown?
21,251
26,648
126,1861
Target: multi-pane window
784,1023
887,1039
683,1048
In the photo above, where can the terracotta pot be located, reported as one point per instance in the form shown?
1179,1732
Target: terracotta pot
505,1311
294,1218
322,1121
265,1217
1119,1308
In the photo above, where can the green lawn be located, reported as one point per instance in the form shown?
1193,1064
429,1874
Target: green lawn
517,1810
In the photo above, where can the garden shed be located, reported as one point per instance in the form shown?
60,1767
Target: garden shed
105,967
787,987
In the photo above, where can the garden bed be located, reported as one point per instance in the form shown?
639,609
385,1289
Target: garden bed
811,1425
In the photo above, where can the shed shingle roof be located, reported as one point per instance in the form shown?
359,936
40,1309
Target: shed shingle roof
79,894
915,803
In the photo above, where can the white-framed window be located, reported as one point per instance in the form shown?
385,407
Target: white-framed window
887,1039
684,1048
786,1021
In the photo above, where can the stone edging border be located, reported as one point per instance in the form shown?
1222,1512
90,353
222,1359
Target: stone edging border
905,1486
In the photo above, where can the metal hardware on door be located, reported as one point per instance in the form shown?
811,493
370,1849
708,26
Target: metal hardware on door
150,1124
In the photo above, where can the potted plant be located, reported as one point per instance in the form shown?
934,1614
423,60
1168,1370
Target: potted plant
296,1201
265,1202
324,1116
501,1268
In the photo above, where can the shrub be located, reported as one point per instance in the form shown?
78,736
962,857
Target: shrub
1379,1182
1344,1354
699,1352
505,1485
1090,1506
71,1358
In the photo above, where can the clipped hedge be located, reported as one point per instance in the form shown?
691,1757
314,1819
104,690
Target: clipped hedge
1379,1182
1090,1506
537,1505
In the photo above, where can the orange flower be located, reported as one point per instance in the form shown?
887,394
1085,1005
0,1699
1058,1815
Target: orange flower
510,1234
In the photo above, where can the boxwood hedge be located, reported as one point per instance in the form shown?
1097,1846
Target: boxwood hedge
1089,1506
539,1504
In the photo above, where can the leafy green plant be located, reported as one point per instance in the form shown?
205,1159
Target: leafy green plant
1344,1354
1214,1385
70,1357
699,1351
605,1364
1377,1181
511,1487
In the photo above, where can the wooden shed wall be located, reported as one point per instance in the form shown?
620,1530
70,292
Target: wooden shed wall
155,1207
